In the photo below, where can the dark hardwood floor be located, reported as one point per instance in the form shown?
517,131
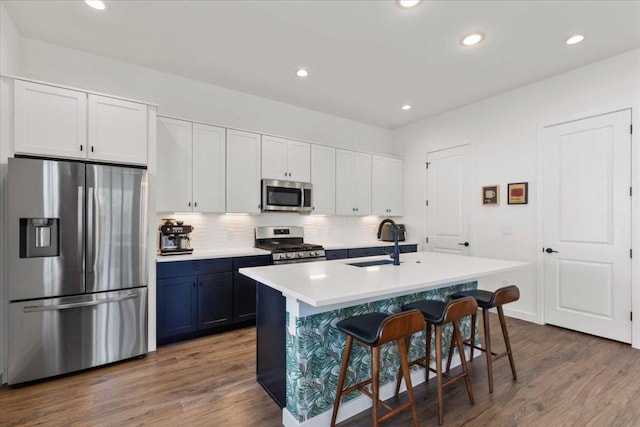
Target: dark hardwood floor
564,379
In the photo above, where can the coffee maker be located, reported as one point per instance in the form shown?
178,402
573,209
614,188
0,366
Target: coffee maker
174,237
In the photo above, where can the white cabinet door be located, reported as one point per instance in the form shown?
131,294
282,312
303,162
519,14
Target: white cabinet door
395,187
208,168
386,192
285,159
362,183
117,130
174,176
344,182
353,183
323,179
379,183
274,158
49,121
243,171
299,161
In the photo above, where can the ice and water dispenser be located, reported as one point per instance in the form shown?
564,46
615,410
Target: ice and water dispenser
39,237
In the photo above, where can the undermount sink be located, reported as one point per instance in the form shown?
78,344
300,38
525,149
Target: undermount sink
372,263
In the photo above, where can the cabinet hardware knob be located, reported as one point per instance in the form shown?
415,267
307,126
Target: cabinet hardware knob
81,147
193,285
195,204
92,148
189,204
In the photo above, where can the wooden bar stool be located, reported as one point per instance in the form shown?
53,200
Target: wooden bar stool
488,300
438,313
373,330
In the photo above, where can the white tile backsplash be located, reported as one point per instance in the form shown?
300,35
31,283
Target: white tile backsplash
227,231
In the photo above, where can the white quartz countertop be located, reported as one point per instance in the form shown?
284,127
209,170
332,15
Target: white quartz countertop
208,254
325,283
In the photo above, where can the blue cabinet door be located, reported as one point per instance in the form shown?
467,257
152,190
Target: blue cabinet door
215,300
177,306
244,288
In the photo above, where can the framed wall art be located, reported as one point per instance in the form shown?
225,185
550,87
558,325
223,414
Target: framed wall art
491,195
518,193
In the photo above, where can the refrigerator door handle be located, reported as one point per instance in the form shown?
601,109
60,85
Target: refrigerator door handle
80,237
37,308
90,236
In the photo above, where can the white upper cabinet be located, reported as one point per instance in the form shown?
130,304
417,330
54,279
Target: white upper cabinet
117,130
386,178
323,179
174,174
353,183
243,171
209,173
56,122
49,121
191,167
285,159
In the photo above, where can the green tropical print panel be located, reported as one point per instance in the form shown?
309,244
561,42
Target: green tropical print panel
314,352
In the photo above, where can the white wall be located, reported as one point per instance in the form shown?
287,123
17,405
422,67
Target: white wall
503,133
197,101
9,44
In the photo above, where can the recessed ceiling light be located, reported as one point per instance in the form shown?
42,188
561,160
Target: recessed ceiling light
302,72
96,4
408,3
575,39
406,107
472,39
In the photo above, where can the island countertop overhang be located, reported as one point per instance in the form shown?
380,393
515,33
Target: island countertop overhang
326,283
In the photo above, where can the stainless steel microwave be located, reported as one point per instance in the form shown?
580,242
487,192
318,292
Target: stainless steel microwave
287,196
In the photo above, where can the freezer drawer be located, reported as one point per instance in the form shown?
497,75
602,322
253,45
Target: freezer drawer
59,335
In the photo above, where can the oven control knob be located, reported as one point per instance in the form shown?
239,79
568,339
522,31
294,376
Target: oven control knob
289,255
313,253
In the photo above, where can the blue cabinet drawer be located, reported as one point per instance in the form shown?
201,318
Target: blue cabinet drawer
336,254
200,266
251,261
403,249
360,252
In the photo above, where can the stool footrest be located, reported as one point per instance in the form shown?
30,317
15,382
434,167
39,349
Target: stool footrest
393,411
360,386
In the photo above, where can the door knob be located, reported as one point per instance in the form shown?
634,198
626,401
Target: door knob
550,251
464,244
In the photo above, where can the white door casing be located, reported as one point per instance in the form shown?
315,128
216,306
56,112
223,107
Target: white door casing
587,220
448,200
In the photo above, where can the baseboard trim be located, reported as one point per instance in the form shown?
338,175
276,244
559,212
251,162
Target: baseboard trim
522,315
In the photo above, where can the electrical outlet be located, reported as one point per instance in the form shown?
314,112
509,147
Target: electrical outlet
507,231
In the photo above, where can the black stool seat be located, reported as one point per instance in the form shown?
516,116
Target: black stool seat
365,328
432,310
485,299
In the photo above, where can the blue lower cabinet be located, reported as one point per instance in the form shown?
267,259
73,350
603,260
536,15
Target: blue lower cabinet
200,297
177,306
361,252
215,300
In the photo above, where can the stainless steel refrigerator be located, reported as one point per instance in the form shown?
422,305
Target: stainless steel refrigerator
77,269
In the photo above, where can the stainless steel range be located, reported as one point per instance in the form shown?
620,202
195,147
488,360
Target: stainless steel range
287,245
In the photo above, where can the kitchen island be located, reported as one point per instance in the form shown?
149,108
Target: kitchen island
298,347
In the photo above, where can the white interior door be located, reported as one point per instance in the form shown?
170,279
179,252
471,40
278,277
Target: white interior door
448,201
587,225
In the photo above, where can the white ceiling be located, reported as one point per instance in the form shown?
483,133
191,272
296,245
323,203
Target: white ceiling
365,58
